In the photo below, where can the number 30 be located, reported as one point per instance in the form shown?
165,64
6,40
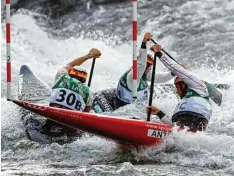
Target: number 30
70,100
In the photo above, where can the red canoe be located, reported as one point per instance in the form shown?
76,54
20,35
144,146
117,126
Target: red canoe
130,131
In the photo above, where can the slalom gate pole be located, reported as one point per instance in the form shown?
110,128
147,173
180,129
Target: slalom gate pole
134,38
8,49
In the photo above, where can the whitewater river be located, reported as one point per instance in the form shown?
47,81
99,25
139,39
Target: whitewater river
198,33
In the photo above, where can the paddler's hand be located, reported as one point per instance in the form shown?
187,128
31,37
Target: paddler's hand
94,53
147,37
157,50
154,110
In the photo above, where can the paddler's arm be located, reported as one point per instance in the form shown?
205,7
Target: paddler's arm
93,53
161,77
161,115
190,79
141,61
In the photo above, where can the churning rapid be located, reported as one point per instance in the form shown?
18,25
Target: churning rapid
48,34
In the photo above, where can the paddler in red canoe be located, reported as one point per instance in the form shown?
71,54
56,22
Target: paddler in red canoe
194,109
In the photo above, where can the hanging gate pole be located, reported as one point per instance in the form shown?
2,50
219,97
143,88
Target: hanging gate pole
134,38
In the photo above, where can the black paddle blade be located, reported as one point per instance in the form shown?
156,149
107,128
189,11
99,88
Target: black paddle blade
222,86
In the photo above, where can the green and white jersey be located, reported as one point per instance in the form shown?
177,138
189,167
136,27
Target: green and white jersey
124,93
124,89
197,98
194,102
70,93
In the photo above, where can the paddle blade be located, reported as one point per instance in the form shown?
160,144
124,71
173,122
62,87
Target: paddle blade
222,86
214,94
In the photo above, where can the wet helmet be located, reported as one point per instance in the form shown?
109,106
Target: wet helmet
79,72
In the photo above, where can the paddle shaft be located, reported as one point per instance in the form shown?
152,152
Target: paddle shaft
152,87
91,72
166,53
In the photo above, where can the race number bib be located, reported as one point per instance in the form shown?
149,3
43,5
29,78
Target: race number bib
67,98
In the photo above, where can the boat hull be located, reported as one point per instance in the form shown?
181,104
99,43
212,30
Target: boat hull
131,131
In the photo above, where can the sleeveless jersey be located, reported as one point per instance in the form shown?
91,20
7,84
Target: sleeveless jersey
125,94
70,93
194,102
197,97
